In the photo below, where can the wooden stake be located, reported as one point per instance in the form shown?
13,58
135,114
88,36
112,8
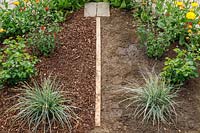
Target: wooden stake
98,73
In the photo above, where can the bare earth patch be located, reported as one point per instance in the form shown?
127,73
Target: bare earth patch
123,58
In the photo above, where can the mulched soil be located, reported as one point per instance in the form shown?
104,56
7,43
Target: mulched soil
122,59
73,63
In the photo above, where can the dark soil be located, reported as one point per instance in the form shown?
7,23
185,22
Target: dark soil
73,63
123,58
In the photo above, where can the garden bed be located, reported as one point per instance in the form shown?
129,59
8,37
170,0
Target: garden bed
73,63
122,60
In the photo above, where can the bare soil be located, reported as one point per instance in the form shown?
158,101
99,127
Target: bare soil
123,58
73,63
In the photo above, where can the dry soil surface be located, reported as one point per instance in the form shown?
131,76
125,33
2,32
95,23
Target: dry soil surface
122,59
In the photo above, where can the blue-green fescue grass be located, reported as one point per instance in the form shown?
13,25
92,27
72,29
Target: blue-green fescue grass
153,101
44,105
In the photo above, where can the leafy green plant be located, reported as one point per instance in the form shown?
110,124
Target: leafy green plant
180,68
154,100
70,5
142,34
27,16
157,45
171,21
15,63
44,105
43,41
123,4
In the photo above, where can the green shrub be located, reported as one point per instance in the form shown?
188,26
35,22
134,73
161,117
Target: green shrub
70,5
154,100
27,16
142,34
44,105
157,45
15,63
171,22
180,68
43,41
123,4
168,23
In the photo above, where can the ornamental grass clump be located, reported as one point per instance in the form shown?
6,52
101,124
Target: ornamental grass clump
154,101
43,106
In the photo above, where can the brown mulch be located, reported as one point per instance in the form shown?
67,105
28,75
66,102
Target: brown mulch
73,63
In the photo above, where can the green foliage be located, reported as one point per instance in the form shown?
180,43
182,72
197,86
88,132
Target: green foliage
15,63
143,12
70,5
43,41
142,34
44,105
194,47
123,4
156,44
154,100
27,16
180,68
169,20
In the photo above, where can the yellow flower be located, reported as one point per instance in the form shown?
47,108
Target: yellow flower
194,4
192,10
190,26
16,3
2,30
26,1
189,31
181,7
191,15
179,3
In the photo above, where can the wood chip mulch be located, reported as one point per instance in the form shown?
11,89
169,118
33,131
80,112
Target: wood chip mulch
73,63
